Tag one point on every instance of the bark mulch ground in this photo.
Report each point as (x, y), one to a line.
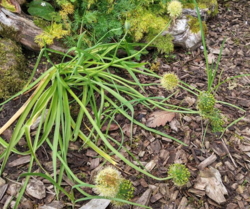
(219, 165)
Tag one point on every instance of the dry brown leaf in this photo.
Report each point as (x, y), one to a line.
(111, 127)
(159, 118)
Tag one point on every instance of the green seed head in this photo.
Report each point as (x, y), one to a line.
(179, 173)
(169, 81)
(126, 192)
(206, 102)
(216, 121)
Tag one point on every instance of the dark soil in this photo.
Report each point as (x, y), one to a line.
(231, 151)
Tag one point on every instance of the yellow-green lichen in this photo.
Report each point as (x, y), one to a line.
(211, 5)
(12, 68)
(194, 24)
(143, 21)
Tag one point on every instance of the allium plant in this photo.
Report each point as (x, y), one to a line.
(109, 183)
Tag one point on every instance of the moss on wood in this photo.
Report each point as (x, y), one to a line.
(12, 68)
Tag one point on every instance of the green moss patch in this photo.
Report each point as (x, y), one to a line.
(12, 68)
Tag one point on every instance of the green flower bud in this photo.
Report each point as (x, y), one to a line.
(206, 102)
(126, 192)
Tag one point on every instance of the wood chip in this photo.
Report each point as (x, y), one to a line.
(36, 189)
(20, 161)
(212, 158)
(209, 180)
(150, 165)
(53, 205)
(96, 203)
(183, 204)
(144, 199)
(156, 197)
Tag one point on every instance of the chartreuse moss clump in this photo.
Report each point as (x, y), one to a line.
(13, 75)
(110, 183)
(179, 174)
(194, 25)
(170, 81)
(51, 32)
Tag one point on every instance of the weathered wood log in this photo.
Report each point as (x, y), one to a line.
(22, 29)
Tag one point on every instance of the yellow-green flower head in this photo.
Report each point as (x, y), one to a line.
(108, 182)
(169, 81)
(174, 9)
(179, 173)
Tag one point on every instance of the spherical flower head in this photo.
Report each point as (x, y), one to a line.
(179, 173)
(174, 9)
(108, 181)
(206, 102)
(126, 192)
(169, 81)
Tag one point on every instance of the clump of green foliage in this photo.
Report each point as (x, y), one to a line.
(104, 21)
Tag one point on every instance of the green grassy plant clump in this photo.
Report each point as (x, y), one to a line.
(86, 79)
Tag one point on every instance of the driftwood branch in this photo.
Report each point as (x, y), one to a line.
(24, 30)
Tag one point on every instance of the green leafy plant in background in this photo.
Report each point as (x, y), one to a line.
(103, 21)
